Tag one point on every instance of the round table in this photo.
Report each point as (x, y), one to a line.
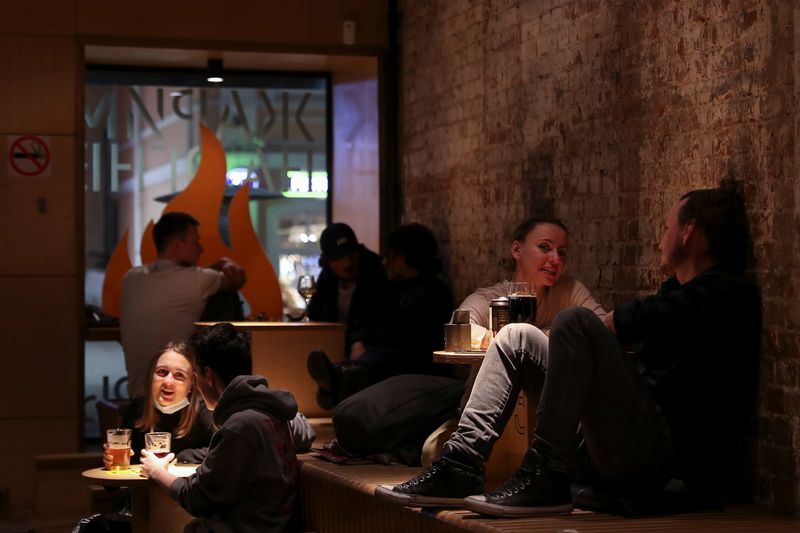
(153, 509)
(470, 357)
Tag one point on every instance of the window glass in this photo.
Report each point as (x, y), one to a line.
(142, 133)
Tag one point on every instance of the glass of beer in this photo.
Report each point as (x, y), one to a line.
(158, 442)
(119, 446)
(521, 302)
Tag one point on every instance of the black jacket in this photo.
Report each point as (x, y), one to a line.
(410, 319)
(370, 283)
(699, 358)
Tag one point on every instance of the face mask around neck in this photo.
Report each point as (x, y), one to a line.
(174, 408)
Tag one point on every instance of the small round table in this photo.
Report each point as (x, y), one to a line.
(470, 357)
(153, 509)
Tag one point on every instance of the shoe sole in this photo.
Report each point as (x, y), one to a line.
(481, 506)
(415, 500)
(319, 368)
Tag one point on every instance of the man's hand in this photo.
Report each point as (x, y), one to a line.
(235, 276)
(156, 467)
(357, 349)
(608, 320)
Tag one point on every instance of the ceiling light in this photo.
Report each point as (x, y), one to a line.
(214, 71)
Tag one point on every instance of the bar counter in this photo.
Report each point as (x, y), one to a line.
(280, 351)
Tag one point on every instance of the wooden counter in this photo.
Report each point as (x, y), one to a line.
(280, 351)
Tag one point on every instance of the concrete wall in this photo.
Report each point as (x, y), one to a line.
(41, 272)
(606, 111)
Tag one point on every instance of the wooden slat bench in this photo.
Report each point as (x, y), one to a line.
(338, 498)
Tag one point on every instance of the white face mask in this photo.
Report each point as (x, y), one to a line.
(174, 408)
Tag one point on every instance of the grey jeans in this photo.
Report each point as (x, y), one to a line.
(581, 378)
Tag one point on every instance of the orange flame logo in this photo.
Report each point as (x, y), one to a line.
(202, 199)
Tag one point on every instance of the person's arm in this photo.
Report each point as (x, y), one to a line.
(581, 297)
(234, 276)
(608, 320)
(302, 433)
(662, 316)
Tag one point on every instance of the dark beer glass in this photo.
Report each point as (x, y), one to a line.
(521, 303)
(522, 308)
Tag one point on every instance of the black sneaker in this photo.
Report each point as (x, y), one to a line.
(444, 484)
(531, 491)
(324, 373)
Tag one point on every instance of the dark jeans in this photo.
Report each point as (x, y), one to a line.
(588, 382)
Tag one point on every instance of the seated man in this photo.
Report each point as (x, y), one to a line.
(403, 329)
(352, 278)
(160, 302)
(248, 480)
(670, 426)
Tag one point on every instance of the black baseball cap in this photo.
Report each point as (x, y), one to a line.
(337, 240)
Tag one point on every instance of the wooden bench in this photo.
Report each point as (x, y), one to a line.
(341, 498)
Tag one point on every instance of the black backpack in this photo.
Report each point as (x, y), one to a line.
(396, 415)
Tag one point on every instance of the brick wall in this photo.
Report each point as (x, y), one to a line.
(606, 111)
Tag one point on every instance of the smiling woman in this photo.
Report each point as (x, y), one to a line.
(172, 404)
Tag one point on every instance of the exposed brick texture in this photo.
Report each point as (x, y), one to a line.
(606, 111)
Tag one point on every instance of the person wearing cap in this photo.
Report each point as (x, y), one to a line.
(403, 329)
(351, 281)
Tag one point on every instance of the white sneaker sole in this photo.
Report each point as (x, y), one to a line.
(415, 500)
(478, 504)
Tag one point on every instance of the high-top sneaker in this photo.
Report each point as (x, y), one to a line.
(532, 490)
(443, 484)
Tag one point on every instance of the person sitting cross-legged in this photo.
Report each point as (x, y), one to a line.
(668, 425)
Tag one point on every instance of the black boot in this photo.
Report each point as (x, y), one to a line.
(532, 490)
(335, 382)
(443, 484)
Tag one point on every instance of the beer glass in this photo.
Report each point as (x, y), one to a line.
(119, 446)
(521, 302)
(158, 442)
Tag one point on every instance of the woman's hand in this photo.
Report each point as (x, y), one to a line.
(108, 459)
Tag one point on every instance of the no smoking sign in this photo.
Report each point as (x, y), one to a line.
(28, 155)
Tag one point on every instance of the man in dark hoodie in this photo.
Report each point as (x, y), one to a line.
(248, 480)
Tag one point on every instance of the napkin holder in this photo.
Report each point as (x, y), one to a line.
(457, 334)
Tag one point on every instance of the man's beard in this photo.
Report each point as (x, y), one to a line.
(674, 259)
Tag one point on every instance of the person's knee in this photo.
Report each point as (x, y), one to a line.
(573, 317)
(524, 337)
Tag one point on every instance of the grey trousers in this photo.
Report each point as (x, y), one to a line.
(582, 379)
